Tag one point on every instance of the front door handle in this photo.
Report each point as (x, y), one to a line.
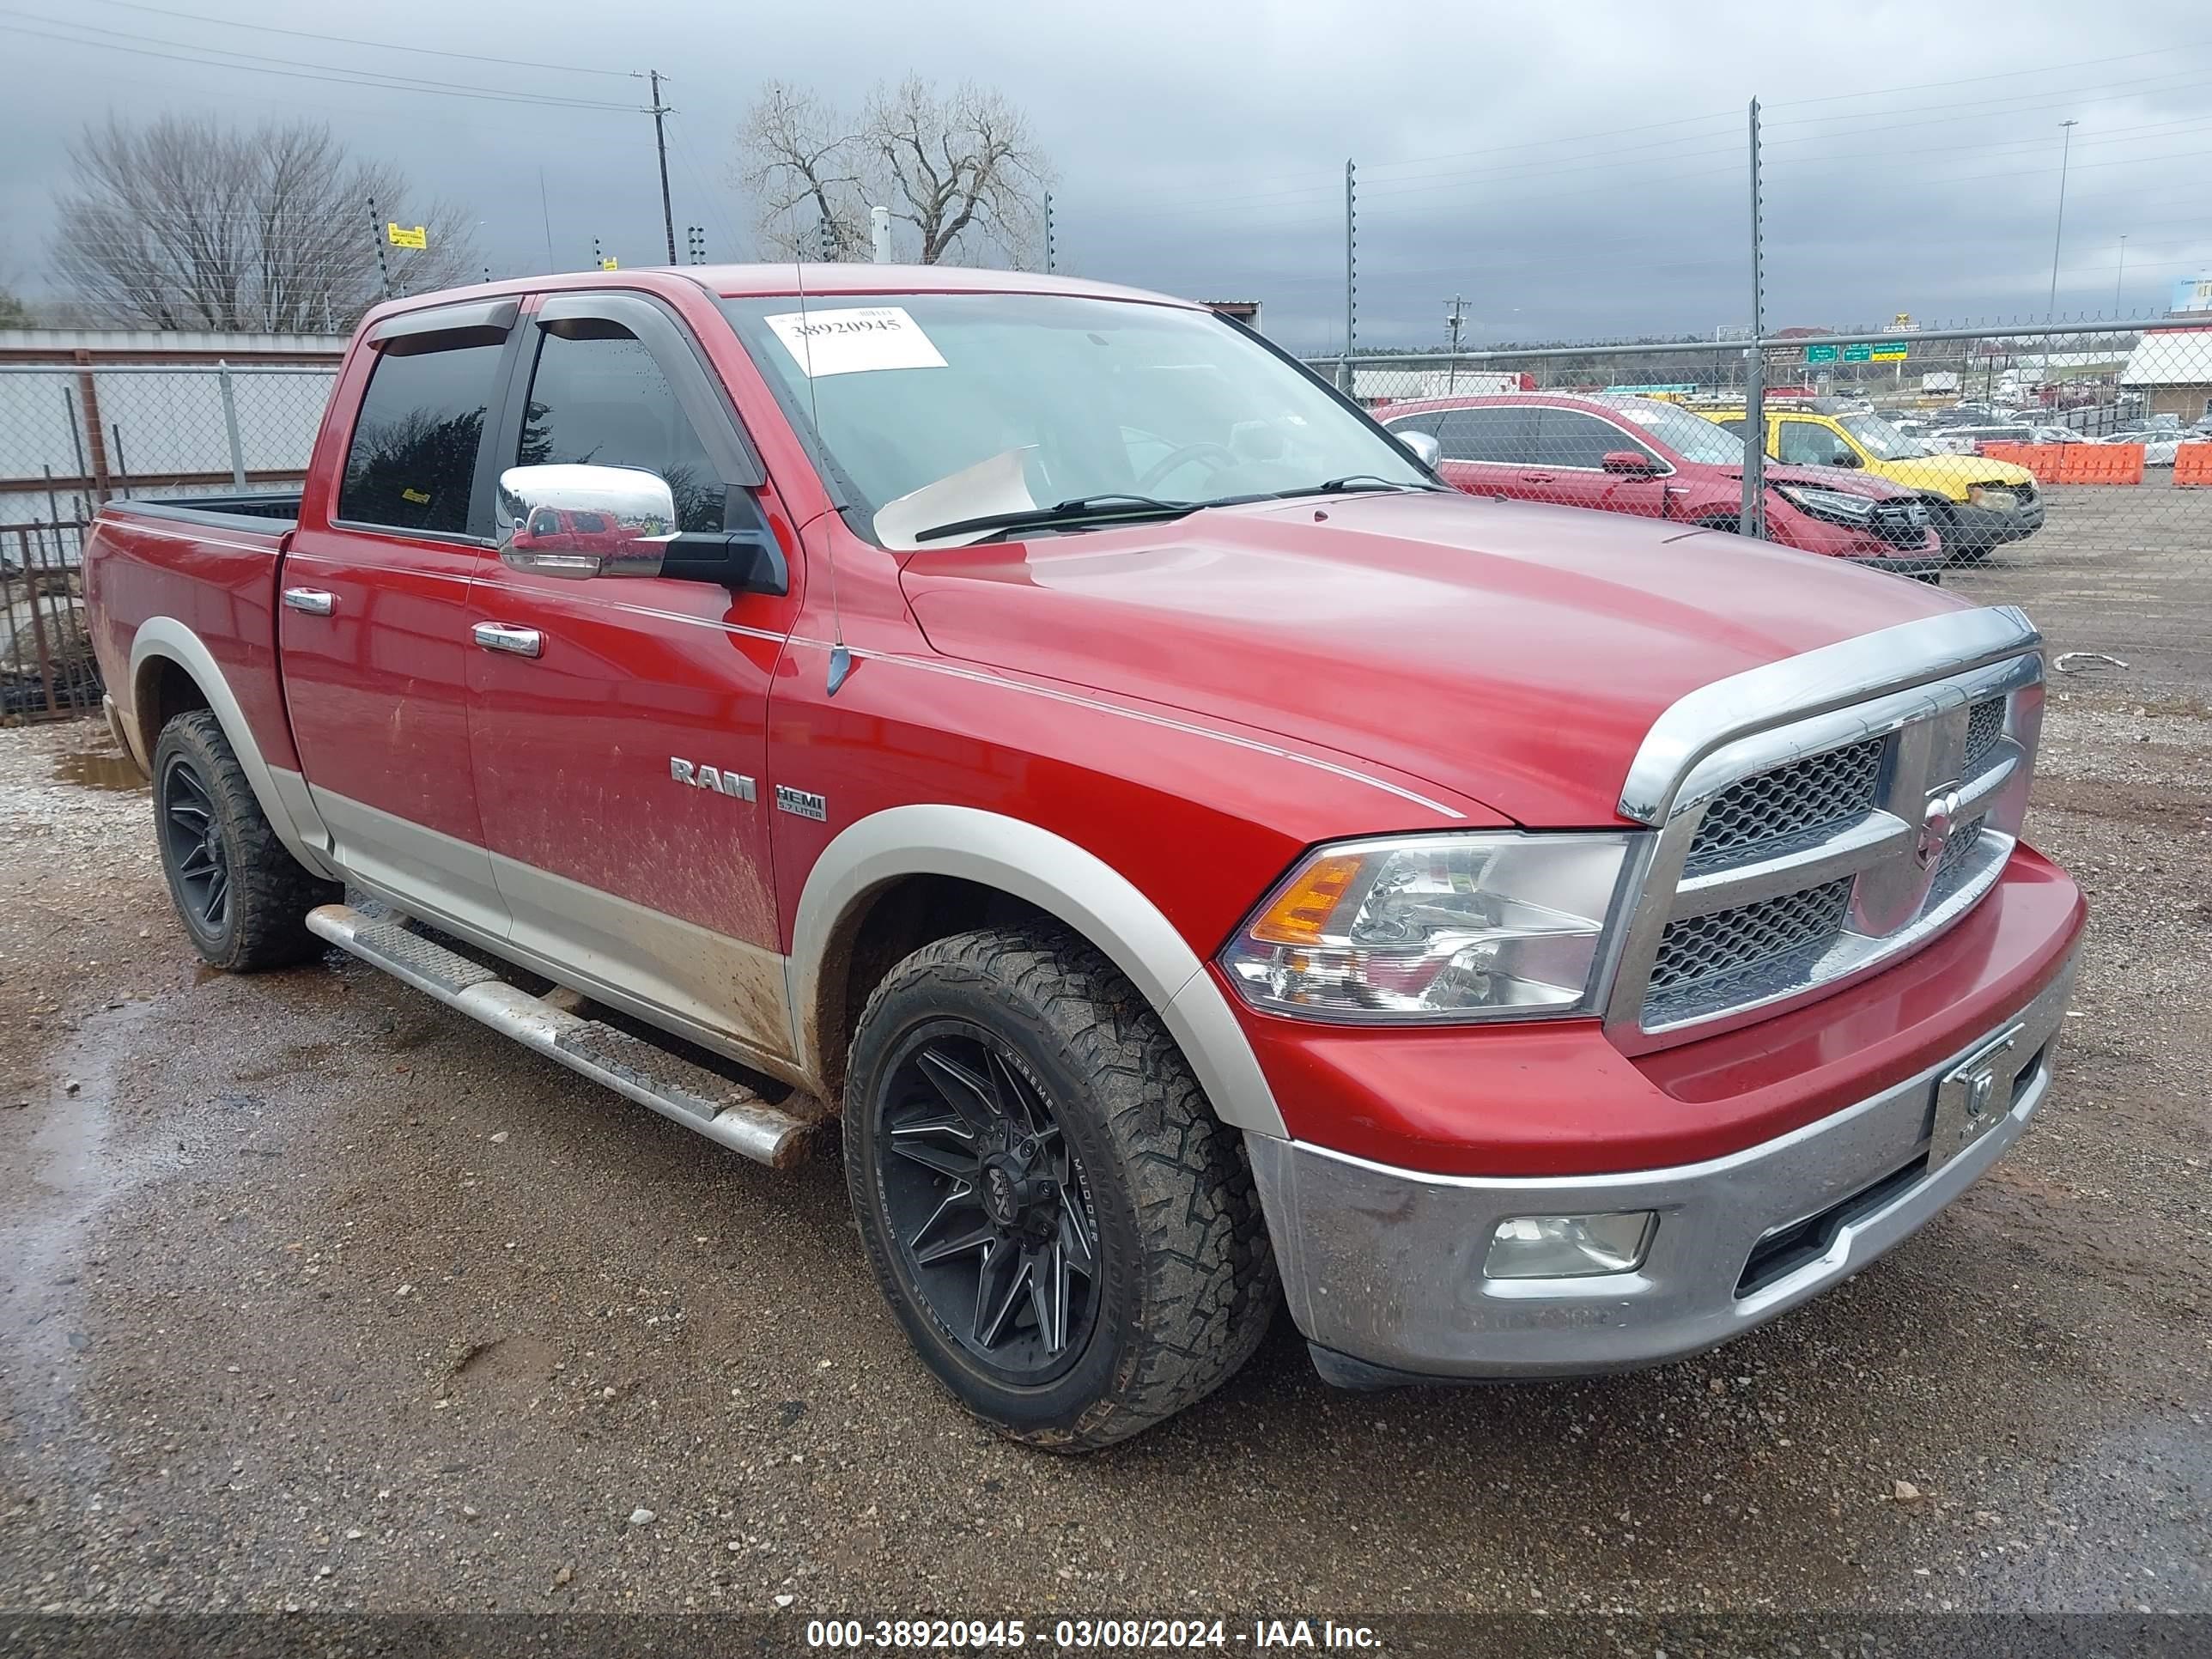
(516, 641)
(311, 600)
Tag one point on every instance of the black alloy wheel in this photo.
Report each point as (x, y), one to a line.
(242, 896)
(986, 1202)
(1069, 1236)
(191, 837)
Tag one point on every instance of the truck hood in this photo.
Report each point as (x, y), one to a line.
(1949, 475)
(1515, 654)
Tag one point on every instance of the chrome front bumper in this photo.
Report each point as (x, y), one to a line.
(1383, 1267)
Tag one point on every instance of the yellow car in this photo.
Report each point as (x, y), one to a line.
(1976, 504)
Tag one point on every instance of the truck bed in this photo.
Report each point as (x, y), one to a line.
(204, 567)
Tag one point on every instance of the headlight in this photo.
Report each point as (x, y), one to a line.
(1998, 498)
(1834, 505)
(1435, 928)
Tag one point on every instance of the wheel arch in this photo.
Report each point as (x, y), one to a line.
(172, 672)
(981, 859)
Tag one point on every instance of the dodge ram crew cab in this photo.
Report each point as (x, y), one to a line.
(1204, 861)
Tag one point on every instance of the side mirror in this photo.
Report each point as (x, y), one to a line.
(1631, 463)
(1421, 446)
(580, 521)
(1847, 458)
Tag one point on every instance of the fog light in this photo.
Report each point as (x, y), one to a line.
(1569, 1246)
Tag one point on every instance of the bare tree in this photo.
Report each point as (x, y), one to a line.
(960, 173)
(184, 223)
(962, 169)
(802, 167)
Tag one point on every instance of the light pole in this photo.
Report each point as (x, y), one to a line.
(2065, 154)
(2120, 282)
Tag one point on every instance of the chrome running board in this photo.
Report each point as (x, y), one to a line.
(675, 1087)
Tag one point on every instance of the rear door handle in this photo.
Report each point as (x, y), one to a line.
(515, 642)
(1537, 477)
(311, 600)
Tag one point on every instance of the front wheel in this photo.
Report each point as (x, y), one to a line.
(1068, 1236)
(1958, 546)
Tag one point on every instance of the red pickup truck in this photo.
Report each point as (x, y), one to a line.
(1202, 859)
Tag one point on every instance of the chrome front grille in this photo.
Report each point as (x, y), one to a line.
(1984, 725)
(1802, 797)
(1810, 851)
(1697, 952)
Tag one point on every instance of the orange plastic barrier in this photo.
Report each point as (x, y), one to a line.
(2041, 459)
(2101, 464)
(2192, 464)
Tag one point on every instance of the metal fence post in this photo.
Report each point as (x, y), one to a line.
(1350, 273)
(1753, 520)
(230, 422)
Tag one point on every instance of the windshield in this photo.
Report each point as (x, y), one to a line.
(1880, 440)
(1692, 437)
(1011, 401)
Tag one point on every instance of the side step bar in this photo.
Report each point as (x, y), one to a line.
(693, 1096)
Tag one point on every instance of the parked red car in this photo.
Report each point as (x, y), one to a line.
(1658, 461)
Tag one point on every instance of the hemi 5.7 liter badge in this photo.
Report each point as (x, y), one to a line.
(788, 799)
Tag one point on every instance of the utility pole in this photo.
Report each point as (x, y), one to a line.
(2120, 282)
(660, 144)
(376, 232)
(2065, 154)
(1454, 313)
(1753, 521)
(1049, 250)
(1351, 270)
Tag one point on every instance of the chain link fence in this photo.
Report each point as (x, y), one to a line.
(75, 435)
(2067, 467)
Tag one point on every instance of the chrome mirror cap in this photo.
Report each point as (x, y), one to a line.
(575, 521)
(1422, 447)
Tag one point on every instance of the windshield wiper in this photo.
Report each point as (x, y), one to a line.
(1353, 481)
(1078, 510)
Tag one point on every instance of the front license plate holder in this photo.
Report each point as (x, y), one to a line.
(1975, 1095)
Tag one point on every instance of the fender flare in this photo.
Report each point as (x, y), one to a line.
(1064, 880)
(282, 794)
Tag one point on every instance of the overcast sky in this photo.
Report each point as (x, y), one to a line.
(1575, 171)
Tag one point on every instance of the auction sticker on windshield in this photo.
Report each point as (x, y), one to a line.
(847, 341)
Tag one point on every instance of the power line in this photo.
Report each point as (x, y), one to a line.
(379, 45)
(307, 72)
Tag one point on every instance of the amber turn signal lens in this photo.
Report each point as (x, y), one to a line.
(1300, 914)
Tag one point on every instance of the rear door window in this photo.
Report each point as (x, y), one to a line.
(412, 463)
(1501, 434)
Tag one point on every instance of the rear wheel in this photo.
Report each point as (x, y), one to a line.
(242, 897)
(1069, 1236)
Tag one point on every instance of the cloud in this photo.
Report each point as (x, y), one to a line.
(1573, 172)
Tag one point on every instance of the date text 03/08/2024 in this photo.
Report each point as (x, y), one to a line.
(1087, 1634)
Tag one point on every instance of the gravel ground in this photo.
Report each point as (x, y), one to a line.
(318, 1296)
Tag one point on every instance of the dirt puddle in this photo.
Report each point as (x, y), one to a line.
(98, 770)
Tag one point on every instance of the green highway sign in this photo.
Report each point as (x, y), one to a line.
(1891, 351)
(1818, 354)
(1857, 354)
